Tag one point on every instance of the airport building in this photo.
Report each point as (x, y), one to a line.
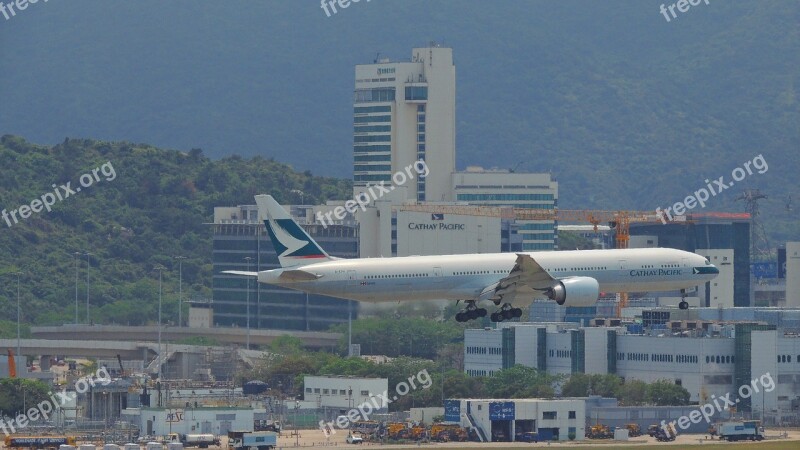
(705, 358)
(240, 242)
(509, 420)
(343, 393)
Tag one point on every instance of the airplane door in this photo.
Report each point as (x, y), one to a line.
(352, 278)
(623, 266)
(437, 272)
(685, 262)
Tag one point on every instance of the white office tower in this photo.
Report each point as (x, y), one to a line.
(405, 112)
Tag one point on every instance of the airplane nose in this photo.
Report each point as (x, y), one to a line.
(714, 270)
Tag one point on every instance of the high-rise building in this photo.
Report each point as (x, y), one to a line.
(405, 112)
(478, 186)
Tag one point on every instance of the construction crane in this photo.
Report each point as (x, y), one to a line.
(12, 365)
(620, 220)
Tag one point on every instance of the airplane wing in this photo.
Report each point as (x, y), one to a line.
(241, 272)
(526, 274)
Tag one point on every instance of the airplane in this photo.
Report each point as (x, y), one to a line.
(509, 280)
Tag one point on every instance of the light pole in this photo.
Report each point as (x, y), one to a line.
(180, 289)
(248, 259)
(160, 269)
(87, 287)
(77, 254)
(296, 433)
(19, 275)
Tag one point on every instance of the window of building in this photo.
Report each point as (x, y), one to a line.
(342, 392)
(308, 390)
(572, 415)
(325, 392)
(316, 390)
(365, 393)
(549, 415)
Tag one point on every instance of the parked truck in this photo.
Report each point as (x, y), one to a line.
(248, 440)
(193, 440)
(740, 430)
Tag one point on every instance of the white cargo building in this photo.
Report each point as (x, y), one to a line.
(507, 420)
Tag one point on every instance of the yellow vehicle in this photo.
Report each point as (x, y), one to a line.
(418, 432)
(447, 432)
(633, 429)
(599, 431)
(397, 430)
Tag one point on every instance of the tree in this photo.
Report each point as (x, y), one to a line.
(633, 393)
(666, 393)
(17, 395)
(521, 382)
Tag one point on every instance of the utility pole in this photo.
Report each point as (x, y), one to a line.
(87, 287)
(77, 254)
(180, 289)
(19, 275)
(160, 269)
(248, 259)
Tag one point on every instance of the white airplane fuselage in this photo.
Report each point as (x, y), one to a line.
(463, 277)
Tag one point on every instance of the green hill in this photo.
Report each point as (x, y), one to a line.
(151, 207)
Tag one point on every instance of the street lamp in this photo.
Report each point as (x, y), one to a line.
(248, 259)
(160, 269)
(77, 254)
(19, 275)
(87, 287)
(180, 289)
(296, 433)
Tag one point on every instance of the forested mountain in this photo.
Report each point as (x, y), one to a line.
(145, 207)
(627, 110)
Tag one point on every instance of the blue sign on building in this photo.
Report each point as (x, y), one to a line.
(764, 270)
(452, 411)
(501, 411)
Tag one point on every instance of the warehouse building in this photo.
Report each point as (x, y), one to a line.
(508, 420)
(708, 360)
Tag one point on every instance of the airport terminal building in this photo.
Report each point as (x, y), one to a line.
(712, 359)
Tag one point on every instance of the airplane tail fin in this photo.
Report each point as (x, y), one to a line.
(293, 245)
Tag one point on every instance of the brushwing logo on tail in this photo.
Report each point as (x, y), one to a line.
(289, 240)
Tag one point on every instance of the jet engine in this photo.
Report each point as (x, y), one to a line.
(575, 291)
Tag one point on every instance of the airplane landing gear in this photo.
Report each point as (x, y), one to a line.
(683, 304)
(506, 312)
(471, 312)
